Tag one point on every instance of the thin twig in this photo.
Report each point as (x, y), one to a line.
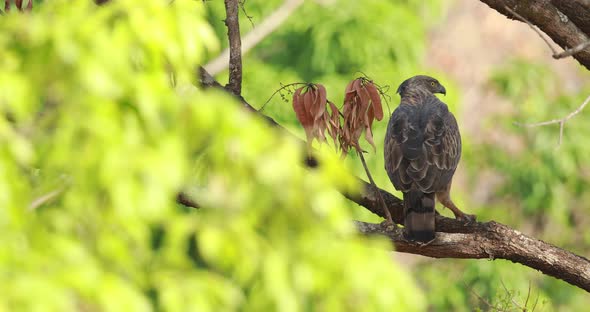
(560, 121)
(283, 87)
(556, 55)
(536, 301)
(235, 46)
(491, 306)
(382, 89)
(528, 295)
(511, 297)
(39, 201)
(572, 51)
(521, 18)
(380, 197)
(242, 6)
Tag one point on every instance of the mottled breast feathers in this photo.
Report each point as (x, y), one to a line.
(422, 145)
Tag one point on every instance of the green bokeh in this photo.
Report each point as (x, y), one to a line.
(101, 127)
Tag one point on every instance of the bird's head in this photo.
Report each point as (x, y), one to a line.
(421, 83)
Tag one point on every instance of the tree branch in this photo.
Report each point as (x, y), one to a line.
(553, 22)
(492, 241)
(235, 46)
(185, 199)
(522, 19)
(456, 239)
(556, 55)
(251, 39)
(578, 11)
(569, 52)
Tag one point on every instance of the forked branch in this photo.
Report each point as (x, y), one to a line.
(560, 121)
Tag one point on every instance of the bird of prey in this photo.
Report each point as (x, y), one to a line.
(422, 150)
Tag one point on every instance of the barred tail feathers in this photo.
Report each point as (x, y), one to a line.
(419, 215)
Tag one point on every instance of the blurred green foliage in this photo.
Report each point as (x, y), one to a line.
(100, 127)
(549, 177)
(544, 180)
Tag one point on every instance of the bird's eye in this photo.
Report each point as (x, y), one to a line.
(432, 83)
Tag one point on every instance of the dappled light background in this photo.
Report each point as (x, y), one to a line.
(497, 72)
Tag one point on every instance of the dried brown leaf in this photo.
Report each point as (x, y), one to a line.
(356, 84)
(375, 99)
(369, 138)
(319, 107)
(335, 115)
(300, 111)
(362, 105)
(321, 100)
(349, 97)
(321, 130)
(365, 103)
(298, 105)
(364, 98)
(334, 128)
(349, 87)
(308, 101)
(313, 101)
(370, 116)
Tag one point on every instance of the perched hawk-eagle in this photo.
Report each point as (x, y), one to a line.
(422, 150)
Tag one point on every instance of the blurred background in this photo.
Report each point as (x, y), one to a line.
(101, 127)
(497, 72)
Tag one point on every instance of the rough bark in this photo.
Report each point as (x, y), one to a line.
(578, 11)
(566, 28)
(235, 46)
(456, 239)
(492, 240)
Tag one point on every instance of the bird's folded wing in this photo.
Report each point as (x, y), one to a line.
(424, 157)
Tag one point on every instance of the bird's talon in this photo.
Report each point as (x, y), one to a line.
(467, 218)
